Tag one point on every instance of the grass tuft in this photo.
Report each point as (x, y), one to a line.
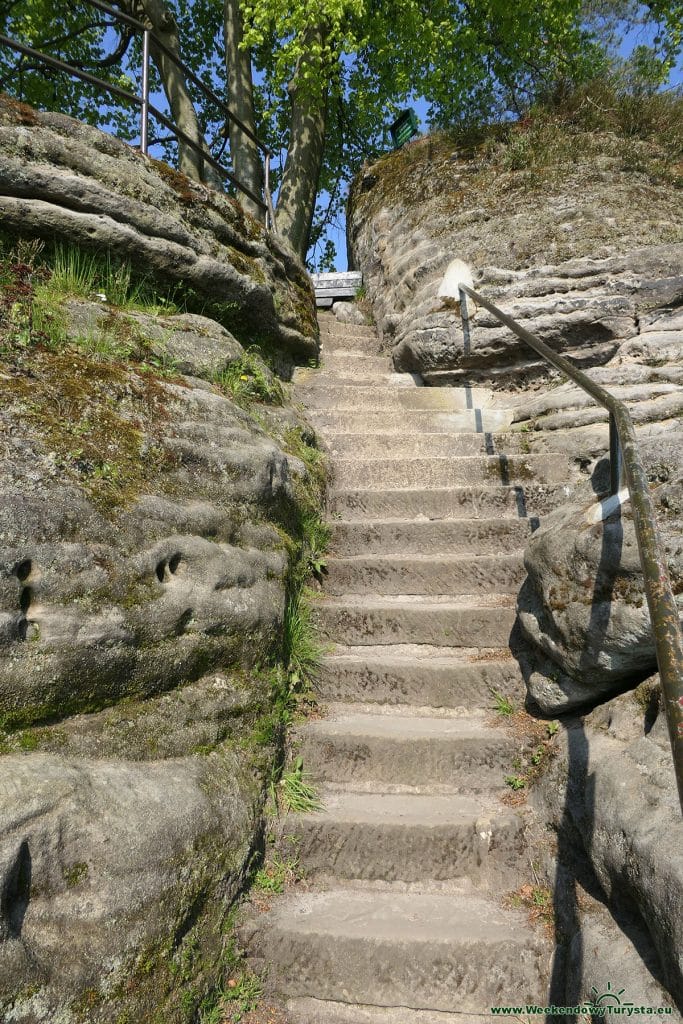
(296, 791)
(503, 705)
(250, 379)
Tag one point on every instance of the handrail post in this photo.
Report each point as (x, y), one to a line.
(144, 109)
(465, 317)
(616, 462)
(266, 185)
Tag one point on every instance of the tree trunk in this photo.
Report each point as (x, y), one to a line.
(299, 187)
(183, 113)
(246, 159)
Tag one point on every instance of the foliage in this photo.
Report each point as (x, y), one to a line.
(276, 873)
(515, 782)
(249, 380)
(503, 705)
(88, 275)
(302, 651)
(296, 791)
(356, 62)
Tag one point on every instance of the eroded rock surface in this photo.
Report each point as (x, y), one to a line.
(583, 603)
(144, 558)
(567, 251)
(63, 179)
(611, 794)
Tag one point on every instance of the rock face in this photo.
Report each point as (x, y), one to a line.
(567, 250)
(611, 802)
(60, 179)
(144, 561)
(583, 603)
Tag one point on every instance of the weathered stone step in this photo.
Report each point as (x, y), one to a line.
(331, 327)
(425, 574)
(395, 445)
(450, 472)
(394, 948)
(429, 536)
(345, 364)
(326, 1011)
(391, 397)
(352, 344)
(339, 379)
(409, 837)
(362, 503)
(422, 747)
(479, 620)
(410, 422)
(420, 674)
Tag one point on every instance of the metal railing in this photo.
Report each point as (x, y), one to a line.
(264, 203)
(626, 467)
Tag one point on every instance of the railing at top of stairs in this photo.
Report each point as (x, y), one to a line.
(264, 203)
(626, 468)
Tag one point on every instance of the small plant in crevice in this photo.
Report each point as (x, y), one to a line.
(503, 705)
(276, 873)
(302, 651)
(239, 992)
(537, 900)
(536, 751)
(249, 379)
(297, 792)
(515, 782)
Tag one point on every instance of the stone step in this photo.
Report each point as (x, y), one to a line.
(450, 472)
(410, 422)
(422, 503)
(426, 950)
(326, 1011)
(479, 620)
(334, 328)
(454, 751)
(409, 837)
(448, 442)
(339, 380)
(349, 344)
(425, 574)
(430, 536)
(390, 396)
(345, 364)
(420, 674)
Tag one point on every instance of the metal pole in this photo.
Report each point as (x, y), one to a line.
(144, 111)
(267, 189)
(616, 466)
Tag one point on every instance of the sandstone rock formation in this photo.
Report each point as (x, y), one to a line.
(60, 179)
(576, 252)
(146, 538)
(583, 603)
(136, 601)
(612, 809)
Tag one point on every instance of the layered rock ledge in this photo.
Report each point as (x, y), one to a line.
(61, 179)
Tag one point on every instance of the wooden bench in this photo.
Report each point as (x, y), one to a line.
(339, 285)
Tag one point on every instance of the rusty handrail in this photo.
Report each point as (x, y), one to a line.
(626, 466)
(146, 108)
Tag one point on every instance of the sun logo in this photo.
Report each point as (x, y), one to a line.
(609, 997)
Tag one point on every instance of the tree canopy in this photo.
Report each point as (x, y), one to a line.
(320, 80)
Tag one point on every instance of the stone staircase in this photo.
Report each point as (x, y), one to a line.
(403, 919)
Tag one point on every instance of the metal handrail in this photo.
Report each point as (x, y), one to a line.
(626, 466)
(146, 108)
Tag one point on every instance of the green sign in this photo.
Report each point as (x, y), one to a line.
(405, 127)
